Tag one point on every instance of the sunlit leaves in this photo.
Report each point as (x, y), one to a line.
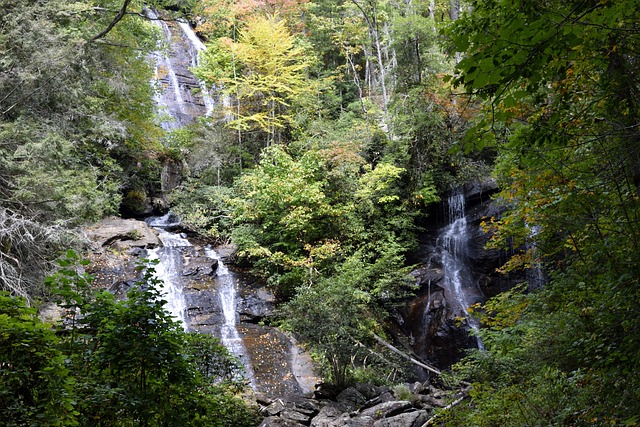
(266, 75)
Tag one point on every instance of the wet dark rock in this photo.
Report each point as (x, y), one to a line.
(480, 191)
(438, 329)
(214, 267)
(256, 304)
(351, 398)
(171, 174)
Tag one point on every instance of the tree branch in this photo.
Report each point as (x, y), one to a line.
(116, 19)
(406, 356)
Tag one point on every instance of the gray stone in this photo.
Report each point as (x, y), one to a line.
(368, 390)
(303, 405)
(327, 415)
(408, 419)
(351, 397)
(424, 402)
(279, 422)
(275, 408)
(345, 420)
(386, 409)
(296, 416)
(124, 234)
(416, 387)
(256, 304)
(435, 401)
(360, 422)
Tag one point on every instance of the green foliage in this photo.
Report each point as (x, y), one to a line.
(205, 209)
(265, 73)
(562, 114)
(35, 386)
(129, 362)
(338, 315)
(75, 112)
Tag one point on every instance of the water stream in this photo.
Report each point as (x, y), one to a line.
(452, 244)
(197, 48)
(180, 97)
(169, 267)
(227, 291)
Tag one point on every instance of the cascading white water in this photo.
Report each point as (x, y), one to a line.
(181, 99)
(229, 335)
(169, 267)
(175, 83)
(453, 247)
(165, 76)
(535, 275)
(199, 47)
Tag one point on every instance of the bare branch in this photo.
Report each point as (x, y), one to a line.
(116, 19)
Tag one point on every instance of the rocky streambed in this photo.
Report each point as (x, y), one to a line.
(362, 405)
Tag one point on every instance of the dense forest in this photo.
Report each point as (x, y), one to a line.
(339, 124)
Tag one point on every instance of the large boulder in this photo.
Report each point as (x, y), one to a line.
(121, 234)
(409, 419)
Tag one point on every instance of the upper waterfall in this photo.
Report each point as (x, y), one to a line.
(180, 96)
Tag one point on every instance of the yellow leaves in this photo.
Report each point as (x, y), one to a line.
(376, 183)
(269, 74)
(521, 261)
(324, 250)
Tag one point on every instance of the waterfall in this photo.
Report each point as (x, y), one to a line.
(175, 83)
(452, 245)
(181, 98)
(169, 267)
(199, 47)
(229, 335)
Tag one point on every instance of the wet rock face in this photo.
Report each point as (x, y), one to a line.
(436, 324)
(436, 335)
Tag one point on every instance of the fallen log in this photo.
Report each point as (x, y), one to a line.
(406, 356)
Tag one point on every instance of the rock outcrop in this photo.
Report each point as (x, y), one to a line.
(121, 235)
